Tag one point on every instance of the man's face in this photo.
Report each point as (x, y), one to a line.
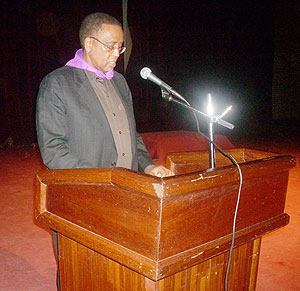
(97, 54)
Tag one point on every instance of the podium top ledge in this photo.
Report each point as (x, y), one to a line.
(191, 169)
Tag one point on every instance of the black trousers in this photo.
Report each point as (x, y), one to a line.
(54, 233)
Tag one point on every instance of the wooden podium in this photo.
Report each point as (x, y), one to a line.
(123, 230)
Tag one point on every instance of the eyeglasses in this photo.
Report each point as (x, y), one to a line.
(110, 48)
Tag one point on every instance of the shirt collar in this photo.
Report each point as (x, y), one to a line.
(79, 62)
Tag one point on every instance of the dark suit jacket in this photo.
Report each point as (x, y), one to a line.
(72, 128)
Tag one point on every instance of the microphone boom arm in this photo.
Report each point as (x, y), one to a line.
(214, 119)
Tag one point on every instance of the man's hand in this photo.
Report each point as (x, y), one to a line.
(159, 171)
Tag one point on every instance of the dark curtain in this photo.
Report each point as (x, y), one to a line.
(222, 47)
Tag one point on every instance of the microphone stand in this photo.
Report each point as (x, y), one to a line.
(210, 118)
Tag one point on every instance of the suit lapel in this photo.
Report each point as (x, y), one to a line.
(89, 98)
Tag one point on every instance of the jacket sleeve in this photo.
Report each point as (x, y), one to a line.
(143, 156)
(51, 125)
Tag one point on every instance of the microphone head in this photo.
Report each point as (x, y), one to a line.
(145, 72)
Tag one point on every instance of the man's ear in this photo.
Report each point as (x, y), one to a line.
(88, 44)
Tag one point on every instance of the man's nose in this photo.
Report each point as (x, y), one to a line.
(116, 52)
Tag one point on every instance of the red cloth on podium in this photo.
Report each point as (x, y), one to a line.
(159, 144)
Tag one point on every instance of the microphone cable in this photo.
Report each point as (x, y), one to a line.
(233, 160)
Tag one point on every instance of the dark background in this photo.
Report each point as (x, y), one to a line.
(197, 47)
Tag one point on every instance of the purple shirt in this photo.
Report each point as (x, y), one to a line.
(79, 62)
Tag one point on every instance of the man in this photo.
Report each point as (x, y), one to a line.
(84, 114)
(84, 109)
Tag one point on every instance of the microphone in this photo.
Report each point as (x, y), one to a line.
(147, 74)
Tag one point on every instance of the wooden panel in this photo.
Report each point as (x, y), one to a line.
(126, 218)
(210, 275)
(202, 216)
(96, 272)
(83, 269)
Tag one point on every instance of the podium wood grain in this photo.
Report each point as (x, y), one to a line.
(97, 272)
(123, 229)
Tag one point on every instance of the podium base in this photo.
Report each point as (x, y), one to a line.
(84, 269)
